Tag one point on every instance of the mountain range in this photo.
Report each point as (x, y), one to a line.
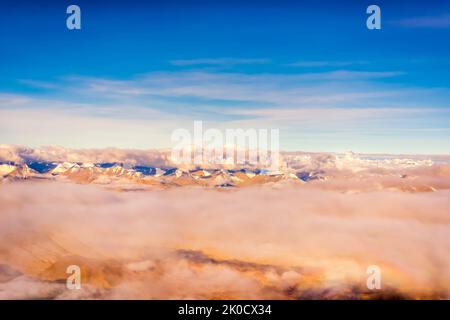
(152, 169)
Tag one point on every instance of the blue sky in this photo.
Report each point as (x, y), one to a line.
(138, 70)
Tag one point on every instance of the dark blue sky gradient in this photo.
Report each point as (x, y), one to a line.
(119, 39)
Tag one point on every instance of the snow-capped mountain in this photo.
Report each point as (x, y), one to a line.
(135, 169)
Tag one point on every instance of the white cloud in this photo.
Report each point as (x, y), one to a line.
(217, 62)
(440, 21)
(326, 63)
(142, 111)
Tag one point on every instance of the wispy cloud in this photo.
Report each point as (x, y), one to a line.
(266, 89)
(325, 63)
(39, 84)
(441, 21)
(336, 114)
(217, 62)
(141, 111)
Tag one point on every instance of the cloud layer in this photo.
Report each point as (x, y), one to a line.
(333, 110)
(291, 243)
